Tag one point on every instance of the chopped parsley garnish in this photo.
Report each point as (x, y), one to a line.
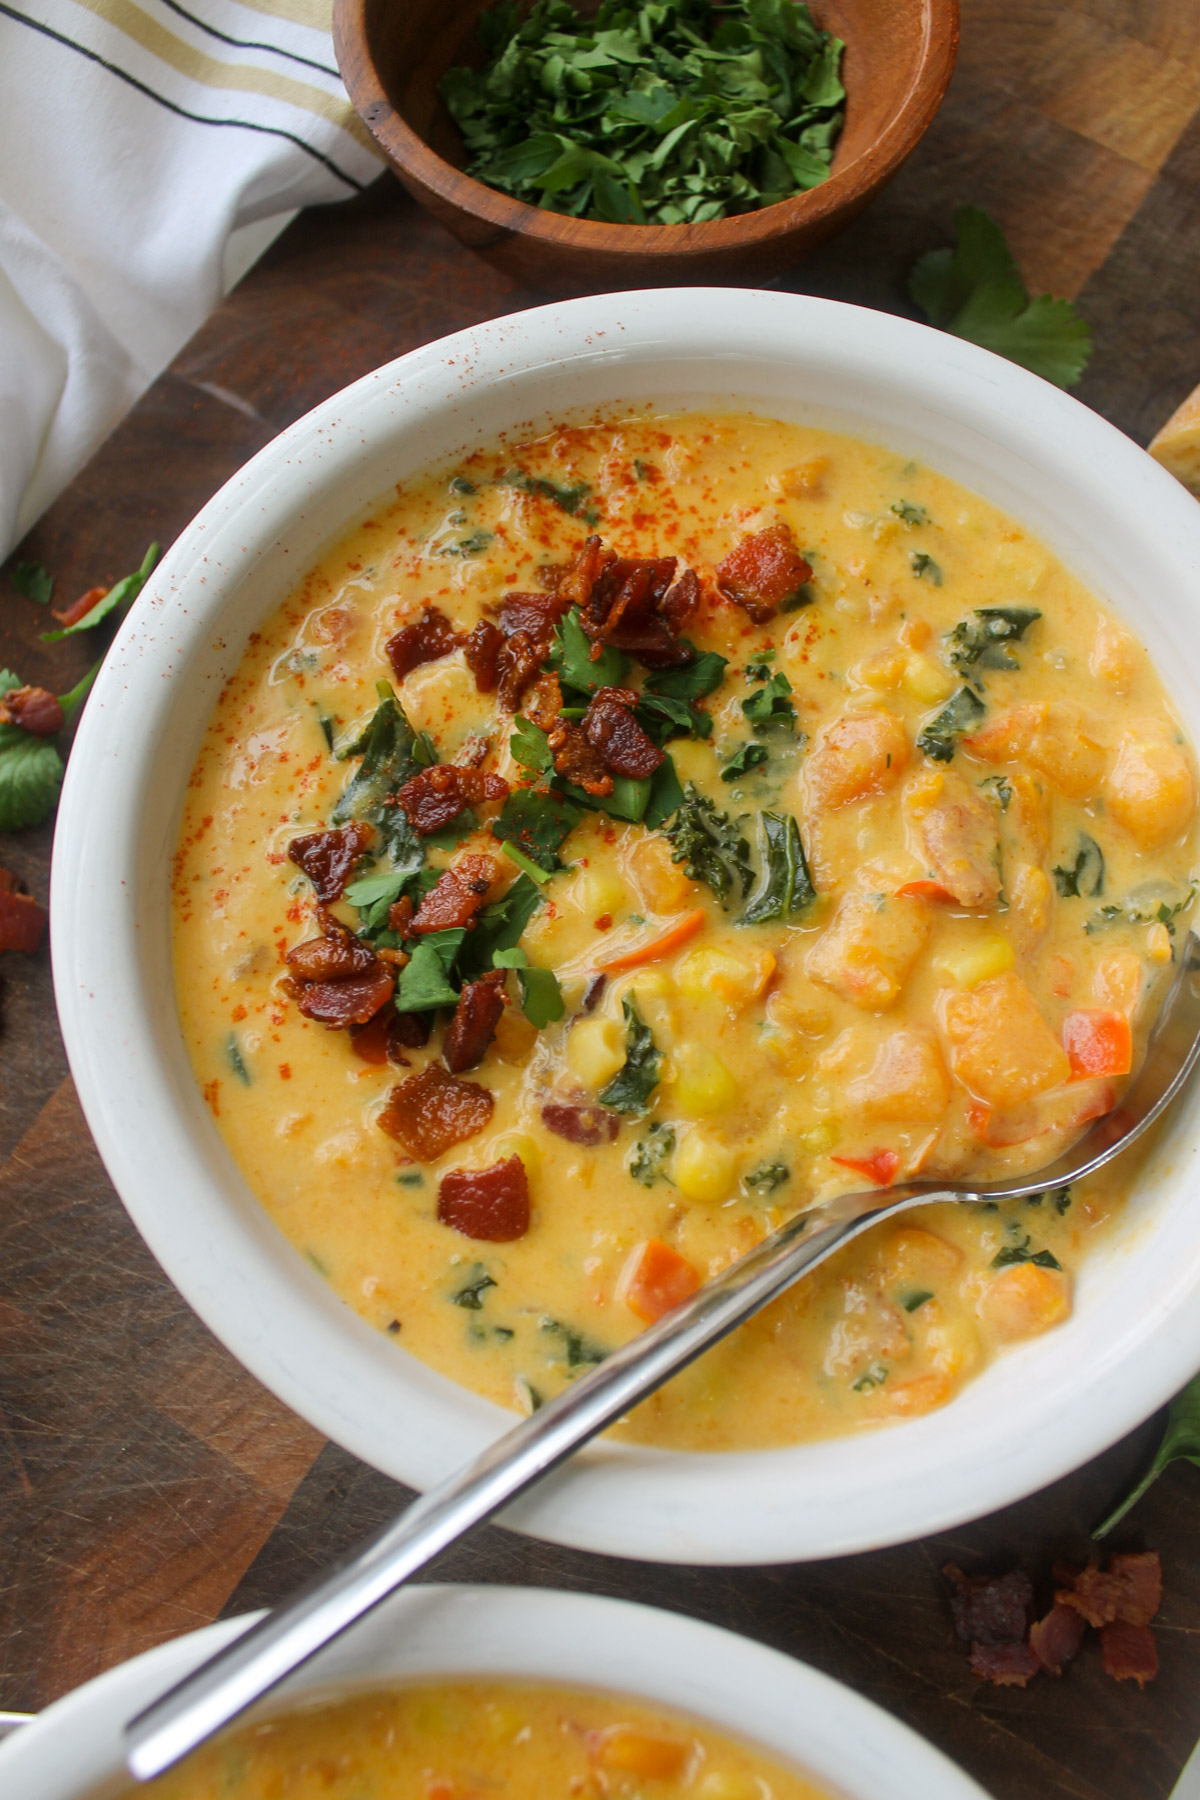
(578, 1349)
(1023, 1253)
(924, 568)
(910, 513)
(1000, 789)
(976, 292)
(961, 713)
(1142, 912)
(982, 640)
(537, 821)
(235, 1059)
(670, 113)
(471, 545)
(767, 1177)
(710, 846)
(1085, 877)
(426, 978)
(571, 658)
(647, 1163)
(663, 717)
(785, 889)
(910, 1302)
(874, 1377)
(391, 755)
(460, 485)
(692, 682)
(630, 1089)
(541, 997)
(750, 756)
(568, 499)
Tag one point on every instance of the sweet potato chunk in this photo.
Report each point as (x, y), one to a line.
(1055, 737)
(868, 950)
(1150, 790)
(490, 1204)
(1023, 1301)
(1001, 1048)
(955, 834)
(906, 1080)
(859, 753)
(764, 571)
(432, 1111)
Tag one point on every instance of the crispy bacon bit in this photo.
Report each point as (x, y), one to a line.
(427, 639)
(578, 761)
(543, 703)
(588, 1125)
(629, 606)
(612, 730)
(400, 915)
(763, 571)
(1129, 1652)
(535, 614)
(473, 1026)
(434, 1110)
(79, 609)
(1130, 1590)
(481, 650)
(491, 1204)
(519, 660)
(333, 957)
(991, 1609)
(579, 578)
(22, 920)
(596, 985)
(460, 892)
(1005, 1665)
(328, 857)
(349, 1002)
(370, 1041)
(1055, 1639)
(436, 796)
(35, 709)
(681, 602)
(408, 1031)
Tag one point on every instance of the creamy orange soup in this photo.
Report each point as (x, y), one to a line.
(664, 900)
(465, 1740)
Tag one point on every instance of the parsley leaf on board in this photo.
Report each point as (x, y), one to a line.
(1180, 1440)
(785, 888)
(982, 641)
(669, 113)
(31, 774)
(120, 596)
(976, 292)
(961, 713)
(630, 1089)
(36, 583)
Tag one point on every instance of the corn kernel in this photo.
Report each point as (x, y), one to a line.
(925, 681)
(595, 1051)
(518, 1143)
(1158, 944)
(709, 974)
(818, 1139)
(702, 1082)
(704, 1168)
(969, 964)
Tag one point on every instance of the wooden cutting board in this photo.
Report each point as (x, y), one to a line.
(146, 1483)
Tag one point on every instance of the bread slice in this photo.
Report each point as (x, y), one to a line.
(1177, 446)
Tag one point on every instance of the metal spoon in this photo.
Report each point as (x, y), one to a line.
(230, 1681)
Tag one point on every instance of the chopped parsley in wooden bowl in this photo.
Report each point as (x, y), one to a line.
(631, 144)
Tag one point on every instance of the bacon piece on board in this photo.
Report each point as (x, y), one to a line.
(431, 1112)
(1130, 1590)
(1129, 1652)
(1055, 1639)
(436, 796)
(491, 1204)
(22, 920)
(473, 1025)
(764, 571)
(349, 1002)
(612, 730)
(34, 709)
(328, 857)
(991, 1609)
(587, 1125)
(1004, 1665)
(426, 640)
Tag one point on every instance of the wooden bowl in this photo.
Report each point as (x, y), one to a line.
(392, 53)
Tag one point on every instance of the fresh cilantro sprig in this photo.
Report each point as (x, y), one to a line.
(976, 292)
(668, 113)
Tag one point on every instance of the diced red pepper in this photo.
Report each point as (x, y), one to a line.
(928, 890)
(880, 1166)
(655, 1280)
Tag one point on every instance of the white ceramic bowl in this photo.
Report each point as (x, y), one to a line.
(73, 1750)
(1106, 508)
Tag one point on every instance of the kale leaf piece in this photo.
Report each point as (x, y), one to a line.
(961, 713)
(1086, 875)
(710, 846)
(785, 887)
(647, 1163)
(391, 754)
(976, 292)
(981, 642)
(630, 1089)
(771, 707)
(750, 756)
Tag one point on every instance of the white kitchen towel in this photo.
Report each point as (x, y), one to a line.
(149, 152)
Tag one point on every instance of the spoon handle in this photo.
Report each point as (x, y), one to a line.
(232, 1680)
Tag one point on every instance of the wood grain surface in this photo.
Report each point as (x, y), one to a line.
(147, 1484)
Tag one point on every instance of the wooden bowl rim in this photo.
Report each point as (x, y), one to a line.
(856, 182)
